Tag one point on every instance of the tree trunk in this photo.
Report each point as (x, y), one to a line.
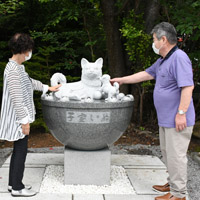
(151, 14)
(116, 59)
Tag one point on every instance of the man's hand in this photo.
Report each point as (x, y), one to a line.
(132, 79)
(54, 88)
(118, 80)
(181, 122)
(26, 129)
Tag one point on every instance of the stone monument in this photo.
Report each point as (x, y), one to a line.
(87, 116)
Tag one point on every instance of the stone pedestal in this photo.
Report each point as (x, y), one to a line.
(87, 167)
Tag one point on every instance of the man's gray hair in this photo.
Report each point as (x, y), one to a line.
(165, 29)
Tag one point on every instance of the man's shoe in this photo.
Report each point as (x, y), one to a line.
(28, 187)
(162, 188)
(169, 196)
(23, 193)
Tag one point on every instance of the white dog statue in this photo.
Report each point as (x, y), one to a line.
(108, 91)
(92, 86)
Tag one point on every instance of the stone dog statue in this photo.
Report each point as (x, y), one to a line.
(88, 88)
(108, 91)
(92, 86)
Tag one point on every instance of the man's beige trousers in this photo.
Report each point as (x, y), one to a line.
(174, 146)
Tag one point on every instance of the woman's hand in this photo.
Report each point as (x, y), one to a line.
(26, 129)
(54, 88)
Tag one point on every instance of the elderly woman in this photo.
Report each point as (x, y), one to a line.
(18, 111)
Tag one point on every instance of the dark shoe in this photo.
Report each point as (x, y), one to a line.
(169, 196)
(162, 188)
(23, 193)
(28, 187)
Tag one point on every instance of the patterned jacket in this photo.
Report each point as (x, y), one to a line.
(17, 101)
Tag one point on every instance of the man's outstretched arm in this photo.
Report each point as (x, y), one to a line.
(135, 78)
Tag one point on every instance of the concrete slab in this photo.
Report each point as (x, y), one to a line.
(88, 197)
(144, 167)
(32, 176)
(143, 179)
(128, 161)
(130, 197)
(136, 160)
(40, 196)
(6, 165)
(42, 159)
(3, 179)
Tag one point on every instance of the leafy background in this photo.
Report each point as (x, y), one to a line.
(65, 31)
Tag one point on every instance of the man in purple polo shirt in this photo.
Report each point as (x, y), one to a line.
(174, 105)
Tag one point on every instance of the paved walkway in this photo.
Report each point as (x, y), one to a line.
(142, 171)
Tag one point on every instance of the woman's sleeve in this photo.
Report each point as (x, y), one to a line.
(16, 95)
(37, 85)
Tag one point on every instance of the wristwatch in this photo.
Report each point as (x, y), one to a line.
(181, 112)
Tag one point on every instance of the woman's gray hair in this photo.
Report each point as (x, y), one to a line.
(165, 29)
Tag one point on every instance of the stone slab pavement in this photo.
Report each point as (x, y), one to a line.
(143, 171)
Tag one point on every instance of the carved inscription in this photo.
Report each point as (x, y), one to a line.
(88, 117)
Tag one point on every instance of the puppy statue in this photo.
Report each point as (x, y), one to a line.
(108, 91)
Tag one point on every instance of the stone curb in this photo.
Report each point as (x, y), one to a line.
(196, 157)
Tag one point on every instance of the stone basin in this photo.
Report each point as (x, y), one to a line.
(87, 126)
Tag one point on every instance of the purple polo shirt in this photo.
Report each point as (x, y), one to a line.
(171, 74)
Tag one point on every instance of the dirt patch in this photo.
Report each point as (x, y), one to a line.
(138, 135)
(36, 140)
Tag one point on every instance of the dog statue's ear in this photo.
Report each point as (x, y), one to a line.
(84, 62)
(99, 62)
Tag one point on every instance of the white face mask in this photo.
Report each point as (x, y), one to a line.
(29, 56)
(155, 49)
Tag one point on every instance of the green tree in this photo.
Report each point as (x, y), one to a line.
(64, 31)
(138, 45)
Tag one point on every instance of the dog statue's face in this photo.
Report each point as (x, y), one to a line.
(91, 70)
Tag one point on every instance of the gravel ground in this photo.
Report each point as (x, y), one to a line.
(53, 182)
(193, 166)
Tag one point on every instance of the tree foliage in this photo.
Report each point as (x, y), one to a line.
(64, 31)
